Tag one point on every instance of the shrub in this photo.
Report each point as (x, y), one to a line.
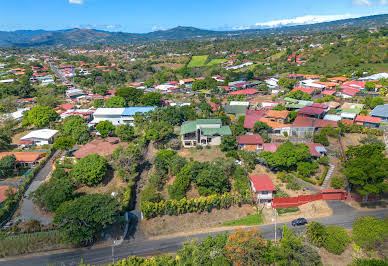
(337, 182)
(337, 239)
(90, 170)
(181, 183)
(176, 207)
(287, 210)
(149, 194)
(322, 139)
(369, 232)
(368, 262)
(320, 181)
(323, 160)
(240, 178)
(157, 181)
(316, 233)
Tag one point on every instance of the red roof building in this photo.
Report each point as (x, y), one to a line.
(301, 121)
(271, 147)
(3, 193)
(252, 116)
(367, 120)
(250, 142)
(263, 186)
(244, 92)
(312, 111)
(305, 90)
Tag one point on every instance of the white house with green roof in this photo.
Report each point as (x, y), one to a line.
(203, 132)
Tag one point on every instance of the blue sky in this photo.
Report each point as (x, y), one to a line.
(148, 15)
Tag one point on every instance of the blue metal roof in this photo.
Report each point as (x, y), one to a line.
(380, 111)
(131, 111)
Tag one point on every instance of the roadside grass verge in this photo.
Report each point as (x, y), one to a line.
(198, 61)
(30, 243)
(249, 220)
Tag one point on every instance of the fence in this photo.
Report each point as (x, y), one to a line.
(329, 194)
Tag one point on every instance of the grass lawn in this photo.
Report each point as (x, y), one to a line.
(216, 62)
(198, 61)
(249, 220)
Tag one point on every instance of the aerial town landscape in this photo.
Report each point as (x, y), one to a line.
(262, 145)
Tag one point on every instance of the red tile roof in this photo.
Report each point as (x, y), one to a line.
(271, 147)
(328, 92)
(305, 90)
(350, 91)
(301, 121)
(250, 139)
(262, 182)
(368, 119)
(252, 116)
(21, 157)
(312, 148)
(311, 110)
(244, 92)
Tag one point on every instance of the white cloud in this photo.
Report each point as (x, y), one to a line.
(362, 2)
(384, 2)
(156, 28)
(303, 20)
(78, 2)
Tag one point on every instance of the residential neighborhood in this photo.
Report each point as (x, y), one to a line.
(262, 145)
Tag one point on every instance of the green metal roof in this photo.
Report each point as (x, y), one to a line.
(223, 131)
(351, 110)
(191, 126)
(291, 100)
(235, 109)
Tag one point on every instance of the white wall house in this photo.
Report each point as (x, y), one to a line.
(118, 116)
(40, 137)
(263, 188)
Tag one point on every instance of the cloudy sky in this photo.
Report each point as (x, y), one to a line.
(148, 15)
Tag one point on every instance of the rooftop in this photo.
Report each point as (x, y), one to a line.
(250, 139)
(262, 182)
(40, 134)
(131, 111)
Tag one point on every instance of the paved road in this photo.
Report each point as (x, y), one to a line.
(345, 217)
(28, 210)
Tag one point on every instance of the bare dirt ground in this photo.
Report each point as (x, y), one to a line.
(167, 225)
(354, 139)
(108, 185)
(313, 209)
(345, 258)
(170, 65)
(261, 98)
(205, 155)
(377, 205)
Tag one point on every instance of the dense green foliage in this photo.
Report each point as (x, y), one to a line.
(75, 128)
(54, 192)
(90, 170)
(370, 232)
(125, 132)
(7, 166)
(40, 116)
(105, 128)
(82, 219)
(64, 143)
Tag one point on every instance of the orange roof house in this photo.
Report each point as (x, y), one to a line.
(277, 116)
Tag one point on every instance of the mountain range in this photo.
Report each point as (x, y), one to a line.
(80, 37)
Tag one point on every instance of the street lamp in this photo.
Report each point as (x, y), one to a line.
(113, 251)
(275, 219)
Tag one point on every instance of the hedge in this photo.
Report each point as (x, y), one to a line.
(308, 180)
(320, 181)
(9, 206)
(177, 207)
(287, 210)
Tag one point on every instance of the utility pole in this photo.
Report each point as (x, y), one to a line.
(276, 214)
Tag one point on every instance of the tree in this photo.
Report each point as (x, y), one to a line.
(159, 131)
(370, 85)
(372, 102)
(321, 138)
(105, 128)
(212, 180)
(151, 99)
(40, 116)
(75, 127)
(292, 116)
(131, 95)
(248, 248)
(261, 127)
(299, 95)
(98, 103)
(337, 182)
(287, 156)
(198, 85)
(7, 166)
(83, 219)
(115, 101)
(370, 232)
(90, 170)
(51, 194)
(316, 234)
(5, 139)
(367, 169)
(292, 251)
(125, 132)
(64, 143)
(228, 143)
(47, 100)
(287, 83)
(100, 89)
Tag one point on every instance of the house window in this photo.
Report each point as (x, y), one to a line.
(264, 192)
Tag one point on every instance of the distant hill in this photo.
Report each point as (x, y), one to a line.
(31, 38)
